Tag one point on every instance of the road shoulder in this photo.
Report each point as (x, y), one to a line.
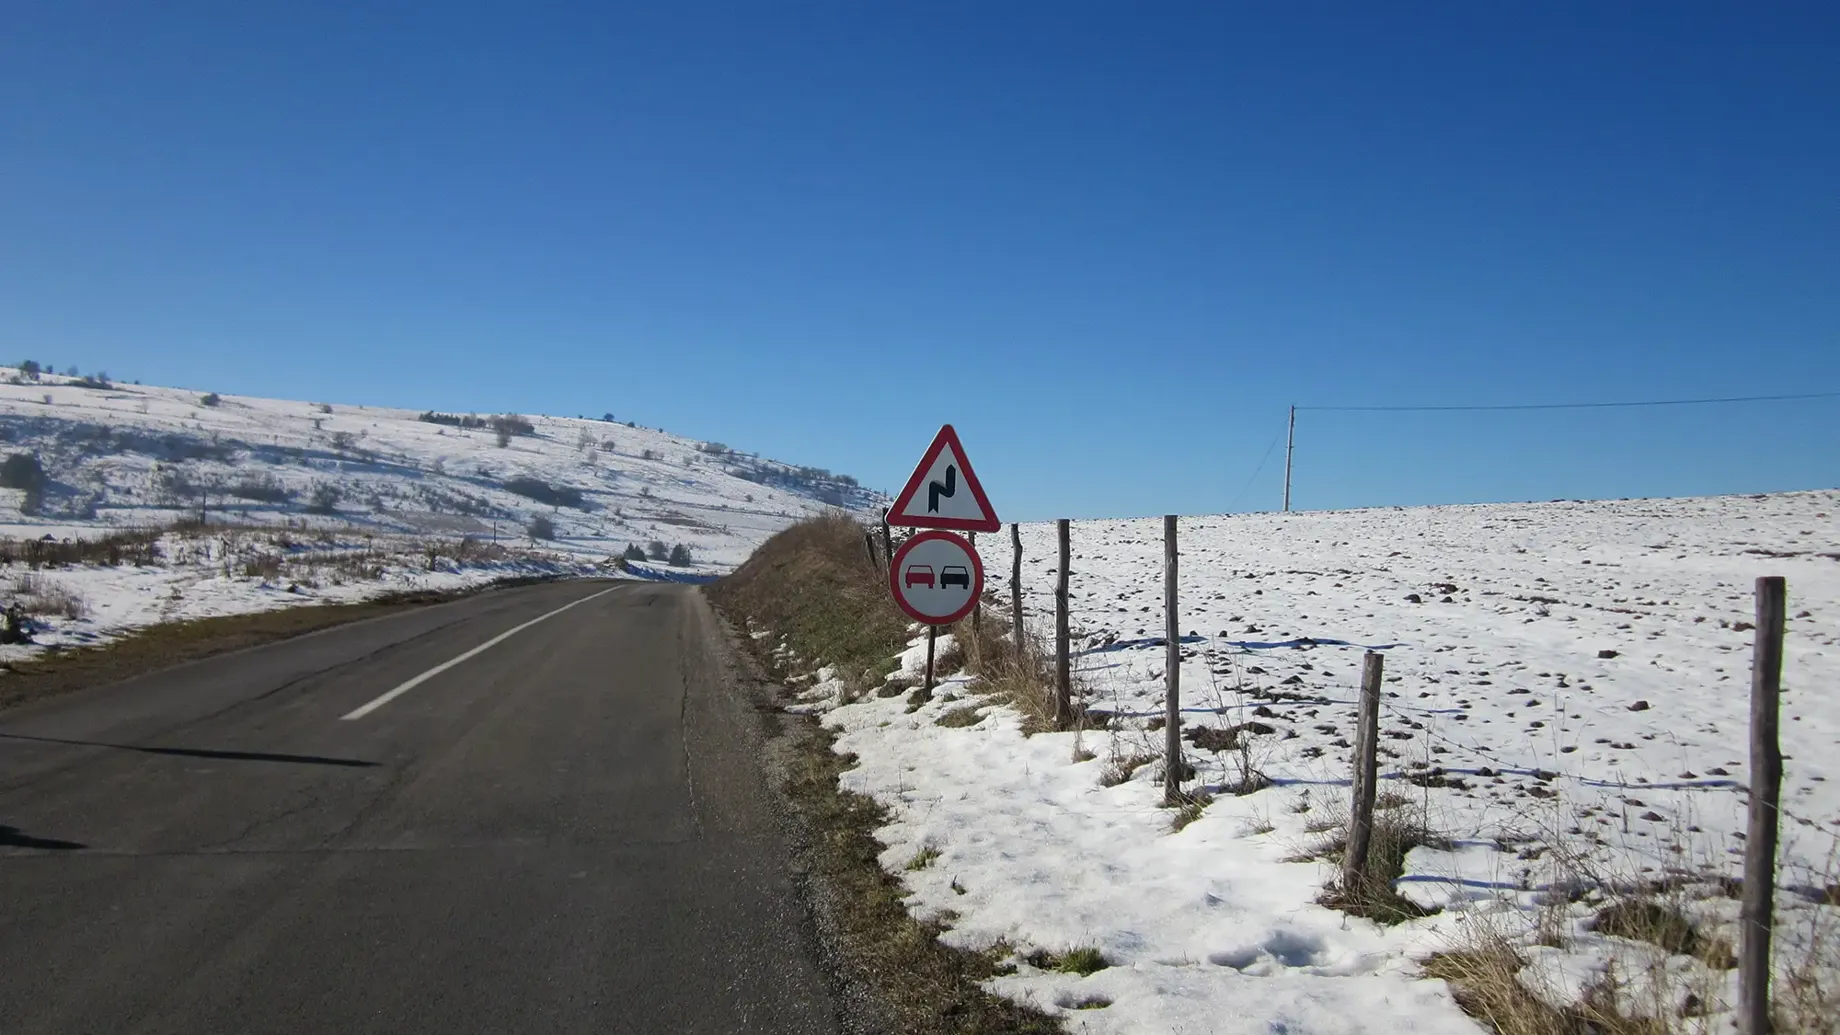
(889, 971)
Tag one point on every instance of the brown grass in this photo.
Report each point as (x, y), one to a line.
(1396, 831)
(1663, 925)
(1484, 979)
(960, 717)
(1190, 809)
(137, 547)
(814, 585)
(1021, 679)
(1121, 768)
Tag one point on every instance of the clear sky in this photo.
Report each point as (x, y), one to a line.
(1111, 242)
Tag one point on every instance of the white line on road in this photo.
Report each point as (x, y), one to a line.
(363, 710)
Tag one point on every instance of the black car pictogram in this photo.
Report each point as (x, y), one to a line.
(954, 574)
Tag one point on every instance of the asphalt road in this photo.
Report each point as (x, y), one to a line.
(565, 832)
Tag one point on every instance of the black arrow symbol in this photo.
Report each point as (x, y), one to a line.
(934, 490)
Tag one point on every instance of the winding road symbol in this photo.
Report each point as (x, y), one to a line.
(943, 492)
(934, 490)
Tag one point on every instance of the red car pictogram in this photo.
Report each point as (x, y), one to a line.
(919, 574)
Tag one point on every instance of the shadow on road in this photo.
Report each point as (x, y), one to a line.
(13, 837)
(239, 756)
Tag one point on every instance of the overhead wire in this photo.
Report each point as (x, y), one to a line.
(1578, 405)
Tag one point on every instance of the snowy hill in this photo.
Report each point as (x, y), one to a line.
(1565, 712)
(162, 505)
(121, 456)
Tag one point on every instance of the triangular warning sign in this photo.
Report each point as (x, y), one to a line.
(943, 492)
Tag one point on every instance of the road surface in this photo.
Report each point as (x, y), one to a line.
(381, 828)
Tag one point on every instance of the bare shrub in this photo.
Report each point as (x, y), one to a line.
(325, 499)
(544, 492)
(261, 489)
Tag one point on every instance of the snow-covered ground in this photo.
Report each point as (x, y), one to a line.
(310, 502)
(1566, 702)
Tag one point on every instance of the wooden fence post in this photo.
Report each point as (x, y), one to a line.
(1015, 589)
(887, 539)
(1757, 912)
(1366, 775)
(977, 611)
(1172, 671)
(1063, 677)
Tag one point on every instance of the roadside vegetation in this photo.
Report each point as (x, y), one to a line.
(812, 596)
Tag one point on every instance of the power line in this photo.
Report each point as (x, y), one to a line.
(1255, 472)
(1582, 405)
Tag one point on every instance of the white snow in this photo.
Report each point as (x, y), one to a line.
(1542, 762)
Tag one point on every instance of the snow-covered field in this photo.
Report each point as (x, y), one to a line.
(318, 502)
(1566, 701)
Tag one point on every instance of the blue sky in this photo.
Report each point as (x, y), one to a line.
(1109, 242)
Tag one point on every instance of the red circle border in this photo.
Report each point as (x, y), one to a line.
(977, 581)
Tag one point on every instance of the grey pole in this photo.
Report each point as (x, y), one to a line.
(1290, 443)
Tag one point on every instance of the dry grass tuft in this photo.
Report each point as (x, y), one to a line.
(1396, 832)
(1024, 680)
(40, 596)
(1084, 961)
(1664, 926)
(1121, 768)
(962, 716)
(1485, 980)
(1190, 809)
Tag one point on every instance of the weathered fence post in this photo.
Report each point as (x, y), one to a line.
(1366, 775)
(887, 539)
(1757, 912)
(977, 612)
(1172, 671)
(869, 544)
(1063, 677)
(1015, 590)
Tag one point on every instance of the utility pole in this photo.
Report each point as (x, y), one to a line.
(1290, 443)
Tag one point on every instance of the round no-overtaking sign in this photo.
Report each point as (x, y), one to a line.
(936, 578)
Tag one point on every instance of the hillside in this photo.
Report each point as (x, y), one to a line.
(128, 506)
(132, 456)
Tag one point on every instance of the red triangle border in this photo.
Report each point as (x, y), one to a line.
(947, 436)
